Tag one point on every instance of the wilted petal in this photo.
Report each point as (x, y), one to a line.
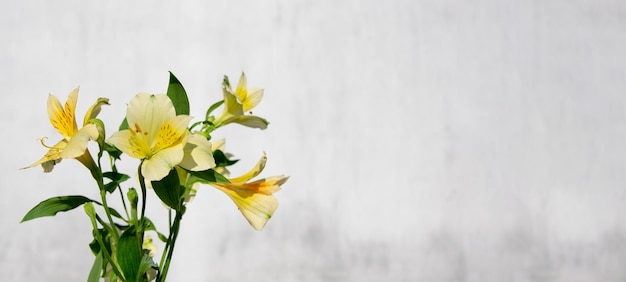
(198, 155)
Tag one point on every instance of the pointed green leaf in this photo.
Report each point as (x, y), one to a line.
(147, 225)
(221, 159)
(146, 264)
(116, 178)
(96, 269)
(213, 107)
(129, 254)
(52, 206)
(210, 176)
(169, 190)
(177, 94)
(123, 125)
(112, 151)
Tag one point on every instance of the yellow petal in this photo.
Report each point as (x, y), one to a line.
(170, 133)
(218, 144)
(256, 170)
(62, 119)
(249, 121)
(94, 110)
(52, 157)
(232, 105)
(130, 143)
(78, 143)
(242, 88)
(266, 186)
(255, 207)
(254, 199)
(198, 155)
(160, 164)
(146, 114)
(254, 98)
(149, 246)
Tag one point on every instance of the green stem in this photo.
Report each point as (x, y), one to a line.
(119, 188)
(106, 210)
(103, 248)
(142, 184)
(171, 242)
(96, 173)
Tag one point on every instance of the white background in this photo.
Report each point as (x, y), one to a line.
(425, 140)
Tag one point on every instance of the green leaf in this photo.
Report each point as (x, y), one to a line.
(146, 264)
(213, 107)
(116, 178)
(129, 254)
(210, 176)
(96, 269)
(52, 206)
(112, 151)
(147, 225)
(221, 159)
(116, 214)
(169, 190)
(123, 125)
(177, 94)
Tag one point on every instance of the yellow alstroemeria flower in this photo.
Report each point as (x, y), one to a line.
(254, 199)
(74, 142)
(240, 101)
(160, 138)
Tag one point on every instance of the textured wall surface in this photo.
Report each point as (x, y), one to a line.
(425, 140)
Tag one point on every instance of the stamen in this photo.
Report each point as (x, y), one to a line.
(42, 139)
(138, 129)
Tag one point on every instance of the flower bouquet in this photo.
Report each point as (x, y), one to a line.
(175, 157)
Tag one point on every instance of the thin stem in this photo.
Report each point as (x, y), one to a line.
(99, 179)
(142, 184)
(108, 213)
(123, 201)
(103, 249)
(169, 237)
(96, 173)
(119, 188)
(172, 239)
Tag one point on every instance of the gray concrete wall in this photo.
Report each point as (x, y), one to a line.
(425, 140)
